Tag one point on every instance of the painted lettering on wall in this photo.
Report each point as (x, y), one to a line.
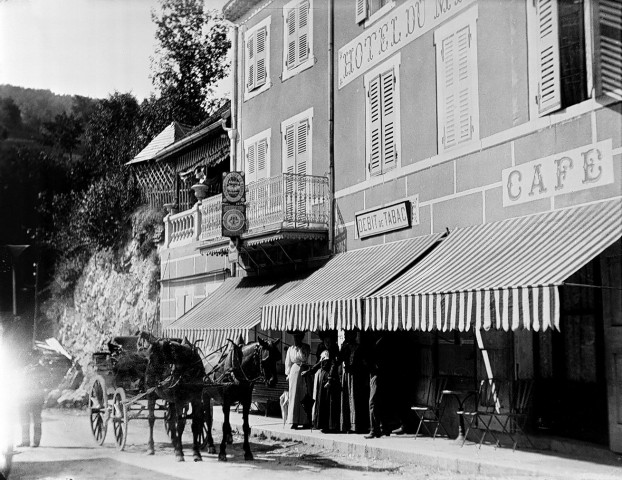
(396, 29)
(384, 219)
(571, 171)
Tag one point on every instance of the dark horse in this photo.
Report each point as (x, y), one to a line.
(233, 380)
(175, 373)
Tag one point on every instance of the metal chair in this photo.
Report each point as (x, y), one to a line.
(431, 411)
(488, 403)
(513, 422)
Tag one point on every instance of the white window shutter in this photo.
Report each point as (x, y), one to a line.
(549, 91)
(448, 83)
(361, 10)
(389, 121)
(303, 31)
(260, 57)
(375, 127)
(250, 62)
(251, 164)
(292, 37)
(289, 159)
(610, 48)
(302, 148)
(463, 75)
(262, 159)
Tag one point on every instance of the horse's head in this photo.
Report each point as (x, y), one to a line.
(269, 355)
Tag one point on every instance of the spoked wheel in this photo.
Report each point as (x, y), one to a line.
(170, 419)
(119, 418)
(98, 409)
(203, 436)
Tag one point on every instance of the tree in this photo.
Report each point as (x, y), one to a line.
(63, 133)
(190, 57)
(10, 115)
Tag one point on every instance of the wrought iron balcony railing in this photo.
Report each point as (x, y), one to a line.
(288, 201)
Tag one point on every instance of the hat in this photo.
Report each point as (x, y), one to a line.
(324, 355)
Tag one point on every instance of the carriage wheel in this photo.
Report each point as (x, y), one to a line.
(119, 418)
(203, 436)
(98, 409)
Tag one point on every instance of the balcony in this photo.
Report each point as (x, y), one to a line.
(286, 204)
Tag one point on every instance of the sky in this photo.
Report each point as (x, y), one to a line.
(80, 47)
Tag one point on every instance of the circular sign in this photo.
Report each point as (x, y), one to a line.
(233, 187)
(233, 220)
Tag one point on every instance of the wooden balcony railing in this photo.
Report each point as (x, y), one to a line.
(297, 202)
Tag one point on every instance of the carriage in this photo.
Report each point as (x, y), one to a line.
(118, 391)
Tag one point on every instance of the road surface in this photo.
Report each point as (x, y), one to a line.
(68, 452)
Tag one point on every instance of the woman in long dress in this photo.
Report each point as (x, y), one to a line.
(296, 362)
(327, 406)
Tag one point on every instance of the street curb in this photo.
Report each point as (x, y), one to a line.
(438, 460)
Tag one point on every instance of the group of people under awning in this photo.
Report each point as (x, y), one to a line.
(350, 387)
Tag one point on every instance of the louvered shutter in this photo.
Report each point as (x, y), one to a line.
(251, 163)
(463, 76)
(389, 152)
(447, 91)
(262, 160)
(303, 32)
(289, 167)
(291, 38)
(361, 10)
(375, 127)
(250, 62)
(549, 87)
(302, 169)
(610, 48)
(260, 57)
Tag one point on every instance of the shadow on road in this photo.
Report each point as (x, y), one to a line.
(88, 469)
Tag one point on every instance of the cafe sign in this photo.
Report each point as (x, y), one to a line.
(384, 219)
(233, 188)
(393, 31)
(571, 171)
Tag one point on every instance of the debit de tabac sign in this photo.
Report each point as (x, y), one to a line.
(388, 218)
(393, 31)
(571, 171)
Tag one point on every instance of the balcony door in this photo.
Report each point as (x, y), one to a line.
(296, 167)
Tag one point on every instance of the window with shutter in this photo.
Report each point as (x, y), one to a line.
(383, 129)
(371, 10)
(361, 10)
(456, 65)
(298, 37)
(610, 48)
(257, 59)
(257, 156)
(560, 57)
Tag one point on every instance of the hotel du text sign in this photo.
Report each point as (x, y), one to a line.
(396, 29)
(578, 169)
(388, 218)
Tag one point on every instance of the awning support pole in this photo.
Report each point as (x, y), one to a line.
(480, 345)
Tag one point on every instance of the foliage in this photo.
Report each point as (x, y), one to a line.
(190, 57)
(110, 136)
(63, 133)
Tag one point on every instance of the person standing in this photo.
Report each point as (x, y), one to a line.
(32, 398)
(354, 386)
(377, 356)
(296, 362)
(327, 406)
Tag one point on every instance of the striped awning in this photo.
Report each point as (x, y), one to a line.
(230, 312)
(502, 275)
(331, 298)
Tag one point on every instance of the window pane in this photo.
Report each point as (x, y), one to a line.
(572, 52)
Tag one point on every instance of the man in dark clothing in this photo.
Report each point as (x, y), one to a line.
(377, 357)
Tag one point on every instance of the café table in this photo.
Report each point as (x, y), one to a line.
(461, 397)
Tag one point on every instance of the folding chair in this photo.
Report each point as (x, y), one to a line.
(513, 422)
(487, 404)
(431, 411)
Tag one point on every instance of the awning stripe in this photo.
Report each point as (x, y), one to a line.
(503, 274)
(332, 297)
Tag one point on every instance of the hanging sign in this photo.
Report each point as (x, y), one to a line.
(384, 219)
(571, 171)
(233, 188)
(233, 220)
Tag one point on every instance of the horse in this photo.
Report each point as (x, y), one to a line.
(175, 373)
(233, 380)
